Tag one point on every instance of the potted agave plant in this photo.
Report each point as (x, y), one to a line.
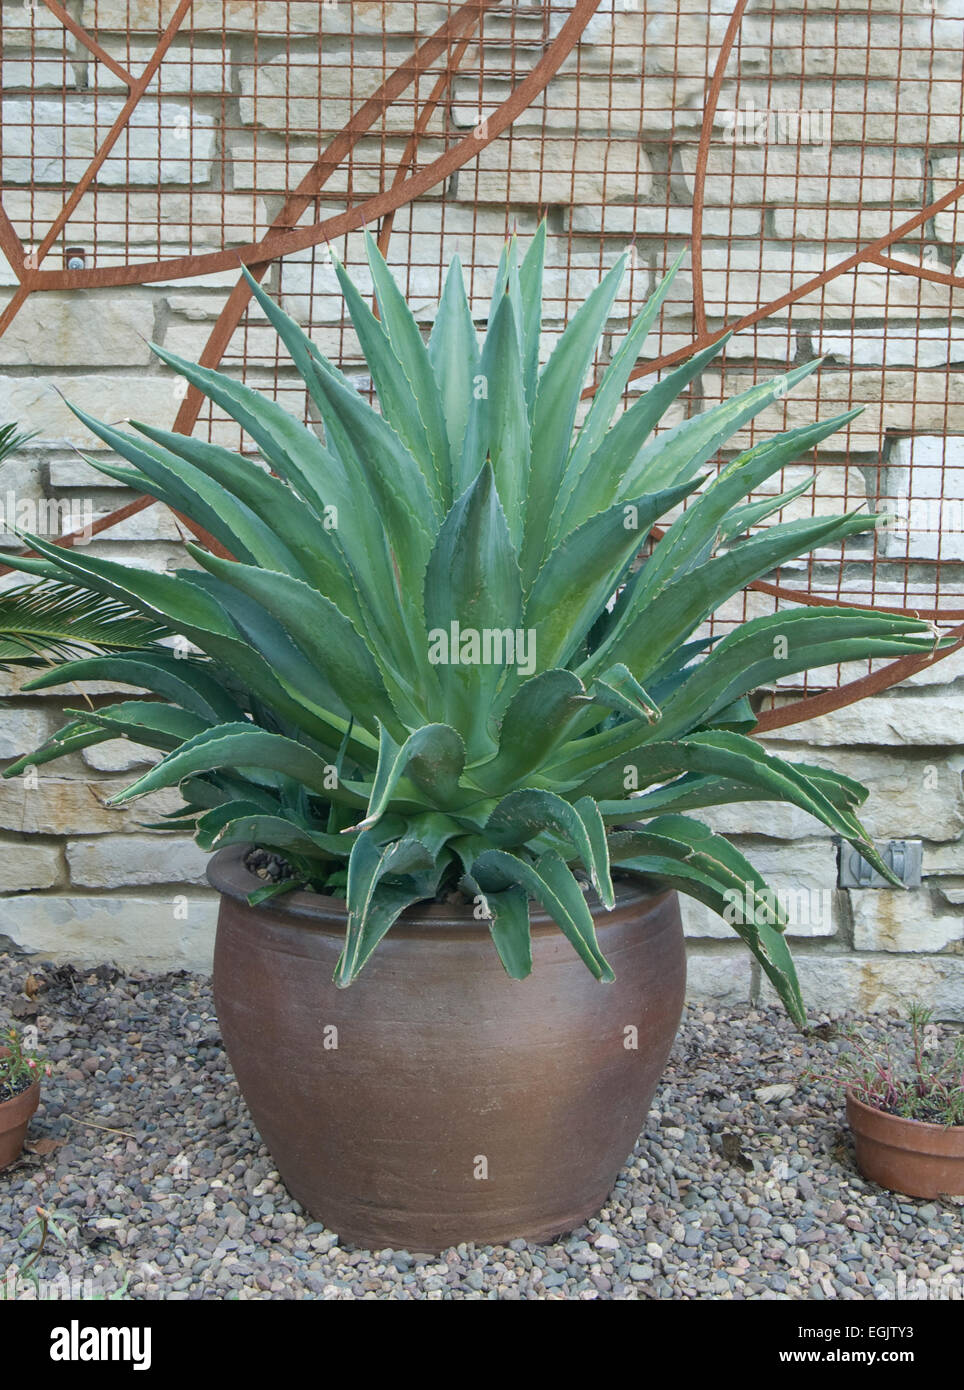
(906, 1110)
(450, 1000)
(20, 1073)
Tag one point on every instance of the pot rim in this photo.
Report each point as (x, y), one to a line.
(227, 873)
(925, 1126)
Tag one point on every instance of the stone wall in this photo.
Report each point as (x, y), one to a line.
(609, 153)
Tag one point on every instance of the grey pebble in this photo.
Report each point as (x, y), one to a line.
(195, 1209)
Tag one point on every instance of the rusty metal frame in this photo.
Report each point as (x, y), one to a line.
(810, 706)
(284, 236)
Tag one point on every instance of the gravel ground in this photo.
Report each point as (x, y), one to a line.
(742, 1185)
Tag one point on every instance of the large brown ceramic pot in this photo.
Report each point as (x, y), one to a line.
(436, 1100)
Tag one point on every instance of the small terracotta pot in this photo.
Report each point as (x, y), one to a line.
(435, 1100)
(14, 1117)
(909, 1156)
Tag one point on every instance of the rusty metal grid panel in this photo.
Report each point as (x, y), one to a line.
(807, 154)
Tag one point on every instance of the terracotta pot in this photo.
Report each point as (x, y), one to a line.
(14, 1117)
(907, 1156)
(435, 1100)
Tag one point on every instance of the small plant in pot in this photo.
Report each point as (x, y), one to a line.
(429, 679)
(905, 1107)
(20, 1074)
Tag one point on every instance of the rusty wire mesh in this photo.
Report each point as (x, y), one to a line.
(807, 153)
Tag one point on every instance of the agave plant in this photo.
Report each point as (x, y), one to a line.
(429, 662)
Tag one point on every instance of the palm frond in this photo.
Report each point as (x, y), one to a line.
(52, 620)
(13, 438)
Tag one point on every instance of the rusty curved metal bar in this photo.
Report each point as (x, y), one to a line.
(283, 242)
(464, 20)
(10, 244)
(408, 154)
(20, 296)
(138, 86)
(829, 700)
(702, 160)
(765, 586)
(310, 186)
(810, 706)
(89, 42)
(870, 252)
(922, 272)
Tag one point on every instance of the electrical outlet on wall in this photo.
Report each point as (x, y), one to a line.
(904, 857)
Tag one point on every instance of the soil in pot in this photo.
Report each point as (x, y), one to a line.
(909, 1156)
(436, 1100)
